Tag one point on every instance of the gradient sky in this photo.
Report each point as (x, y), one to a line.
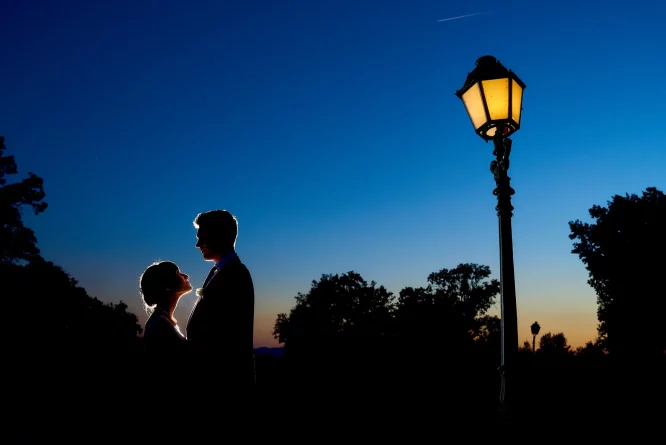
(332, 131)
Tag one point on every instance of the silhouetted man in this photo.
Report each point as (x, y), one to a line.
(221, 325)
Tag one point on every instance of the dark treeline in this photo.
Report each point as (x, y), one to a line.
(355, 352)
(430, 351)
(65, 354)
(437, 346)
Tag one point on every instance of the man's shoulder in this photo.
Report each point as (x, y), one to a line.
(238, 276)
(237, 267)
(244, 268)
(234, 273)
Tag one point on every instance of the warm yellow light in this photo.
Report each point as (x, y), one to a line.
(474, 105)
(516, 101)
(497, 98)
(493, 98)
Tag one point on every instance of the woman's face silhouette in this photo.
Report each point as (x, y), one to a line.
(185, 285)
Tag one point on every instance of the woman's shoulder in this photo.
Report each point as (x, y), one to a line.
(159, 326)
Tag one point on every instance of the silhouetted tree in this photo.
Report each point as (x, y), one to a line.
(525, 352)
(52, 313)
(63, 345)
(525, 348)
(59, 343)
(47, 305)
(452, 308)
(554, 345)
(444, 335)
(281, 328)
(623, 251)
(337, 305)
(489, 330)
(488, 340)
(337, 331)
(591, 351)
(17, 242)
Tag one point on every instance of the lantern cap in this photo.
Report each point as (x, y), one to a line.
(487, 68)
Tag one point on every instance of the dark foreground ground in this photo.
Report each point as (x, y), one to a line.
(375, 399)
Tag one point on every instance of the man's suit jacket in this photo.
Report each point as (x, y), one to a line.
(221, 327)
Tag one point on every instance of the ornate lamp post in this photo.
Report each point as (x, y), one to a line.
(493, 97)
(535, 331)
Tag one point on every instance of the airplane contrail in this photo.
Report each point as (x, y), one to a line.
(461, 17)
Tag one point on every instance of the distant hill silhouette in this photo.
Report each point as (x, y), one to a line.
(276, 352)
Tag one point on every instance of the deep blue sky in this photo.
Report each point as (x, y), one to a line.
(332, 131)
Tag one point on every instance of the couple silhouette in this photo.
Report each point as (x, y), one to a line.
(217, 346)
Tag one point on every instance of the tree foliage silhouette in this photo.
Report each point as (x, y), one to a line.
(337, 305)
(554, 345)
(489, 331)
(590, 351)
(454, 303)
(345, 338)
(61, 315)
(623, 251)
(344, 327)
(17, 242)
(47, 309)
(452, 308)
(61, 343)
(335, 331)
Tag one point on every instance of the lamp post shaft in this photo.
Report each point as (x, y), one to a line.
(509, 323)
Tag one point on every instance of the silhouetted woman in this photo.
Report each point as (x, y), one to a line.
(162, 284)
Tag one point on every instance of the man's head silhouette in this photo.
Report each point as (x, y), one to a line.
(216, 234)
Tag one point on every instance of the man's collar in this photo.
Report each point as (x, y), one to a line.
(225, 259)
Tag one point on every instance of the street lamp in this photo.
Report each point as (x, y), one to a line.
(535, 331)
(493, 97)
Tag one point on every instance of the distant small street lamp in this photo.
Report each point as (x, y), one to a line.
(493, 97)
(535, 331)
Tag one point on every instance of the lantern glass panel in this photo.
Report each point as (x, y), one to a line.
(497, 98)
(516, 101)
(474, 105)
